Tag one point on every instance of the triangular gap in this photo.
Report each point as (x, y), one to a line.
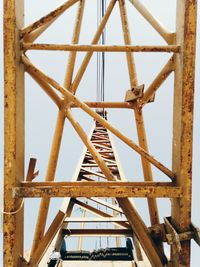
(139, 26)
(34, 30)
(162, 11)
(87, 88)
(68, 158)
(53, 64)
(150, 24)
(114, 35)
(149, 65)
(132, 71)
(56, 97)
(61, 31)
(33, 13)
(116, 64)
(89, 22)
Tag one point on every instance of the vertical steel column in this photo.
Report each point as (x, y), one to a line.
(14, 132)
(183, 122)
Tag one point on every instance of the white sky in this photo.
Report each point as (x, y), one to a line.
(41, 113)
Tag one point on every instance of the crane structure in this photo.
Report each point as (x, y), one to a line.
(98, 178)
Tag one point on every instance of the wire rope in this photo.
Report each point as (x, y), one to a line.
(101, 8)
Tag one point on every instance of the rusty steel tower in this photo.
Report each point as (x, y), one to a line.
(98, 178)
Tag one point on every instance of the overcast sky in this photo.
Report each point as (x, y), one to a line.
(41, 112)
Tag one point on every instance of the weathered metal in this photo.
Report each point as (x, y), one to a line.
(96, 189)
(100, 48)
(13, 132)
(99, 161)
(183, 122)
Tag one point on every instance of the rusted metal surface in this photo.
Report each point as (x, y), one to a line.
(49, 17)
(96, 189)
(98, 173)
(13, 132)
(183, 121)
(101, 48)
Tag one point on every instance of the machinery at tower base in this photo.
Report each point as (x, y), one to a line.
(107, 254)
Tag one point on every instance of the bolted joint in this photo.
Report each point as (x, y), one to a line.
(157, 232)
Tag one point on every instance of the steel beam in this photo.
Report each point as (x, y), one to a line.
(183, 122)
(14, 132)
(96, 189)
(101, 48)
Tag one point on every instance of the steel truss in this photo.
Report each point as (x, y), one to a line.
(178, 229)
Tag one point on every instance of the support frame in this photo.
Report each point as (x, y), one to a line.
(182, 63)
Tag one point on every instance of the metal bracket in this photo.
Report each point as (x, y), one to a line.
(196, 233)
(31, 174)
(172, 235)
(134, 93)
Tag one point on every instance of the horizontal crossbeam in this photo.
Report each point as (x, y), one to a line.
(95, 219)
(101, 48)
(96, 189)
(98, 232)
(107, 105)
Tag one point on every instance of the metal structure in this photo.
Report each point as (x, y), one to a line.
(178, 229)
